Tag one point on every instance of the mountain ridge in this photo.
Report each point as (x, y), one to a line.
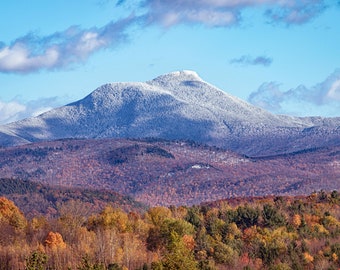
(175, 106)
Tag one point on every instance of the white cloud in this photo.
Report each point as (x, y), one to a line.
(334, 91)
(9, 111)
(32, 53)
(322, 99)
(89, 41)
(18, 58)
(16, 110)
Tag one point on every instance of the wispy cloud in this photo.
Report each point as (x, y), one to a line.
(248, 60)
(169, 13)
(228, 12)
(9, 111)
(321, 99)
(296, 12)
(15, 110)
(32, 53)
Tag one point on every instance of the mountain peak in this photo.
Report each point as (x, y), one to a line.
(178, 76)
(186, 73)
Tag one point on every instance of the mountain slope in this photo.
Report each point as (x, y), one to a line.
(178, 105)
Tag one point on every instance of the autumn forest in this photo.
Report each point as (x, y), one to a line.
(251, 233)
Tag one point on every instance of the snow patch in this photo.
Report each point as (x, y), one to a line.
(177, 77)
(200, 166)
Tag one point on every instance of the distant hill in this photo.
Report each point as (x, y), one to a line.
(36, 199)
(176, 106)
(158, 172)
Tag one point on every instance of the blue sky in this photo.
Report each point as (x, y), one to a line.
(282, 55)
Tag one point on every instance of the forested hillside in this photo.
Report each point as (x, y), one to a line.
(158, 172)
(39, 199)
(255, 233)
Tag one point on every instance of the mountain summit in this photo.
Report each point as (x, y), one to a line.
(175, 106)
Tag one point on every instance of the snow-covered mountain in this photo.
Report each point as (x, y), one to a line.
(178, 105)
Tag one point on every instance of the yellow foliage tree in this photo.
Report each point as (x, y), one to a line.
(11, 214)
(189, 241)
(296, 220)
(54, 240)
(157, 215)
(110, 218)
(308, 258)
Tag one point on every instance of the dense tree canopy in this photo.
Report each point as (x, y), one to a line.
(272, 233)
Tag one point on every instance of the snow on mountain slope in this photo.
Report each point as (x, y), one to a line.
(7, 137)
(178, 105)
(187, 85)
